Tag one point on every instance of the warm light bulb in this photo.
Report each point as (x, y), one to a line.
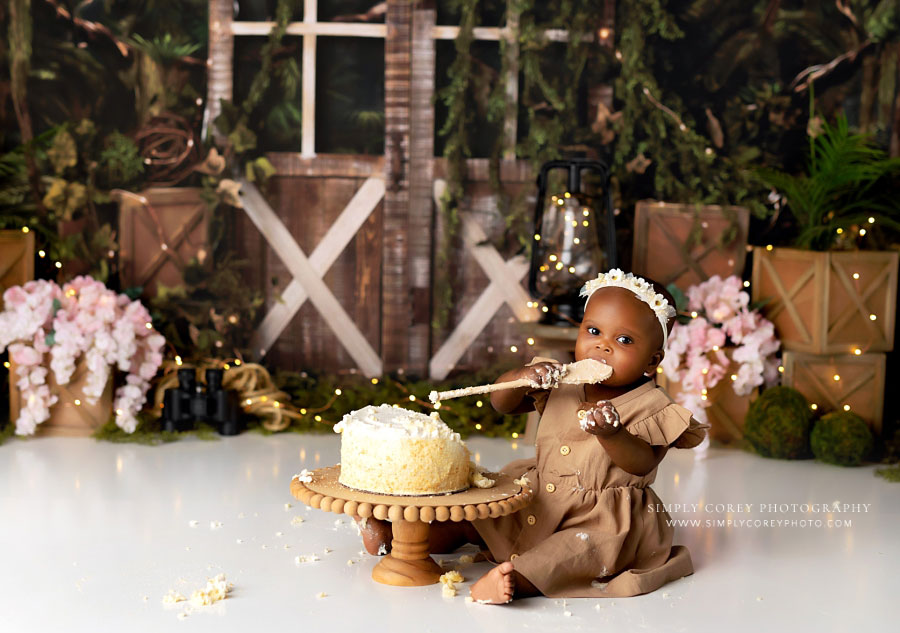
(813, 406)
(25, 229)
(585, 223)
(871, 220)
(836, 377)
(586, 213)
(781, 369)
(58, 264)
(374, 381)
(479, 404)
(337, 392)
(872, 317)
(734, 376)
(567, 194)
(704, 371)
(515, 436)
(746, 284)
(572, 269)
(318, 418)
(537, 237)
(857, 351)
(552, 258)
(856, 275)
(437, 405)
(302, 411)
(77, 402)
(862, 232)
(530, 341)
(545, 309)
(659, 370)
(412, 398)
(693, 315)
(577, 241)
(513, 349)
(715, 348)
(839, 231)
(178, 360)
(846, 407)
(769, 247)
(41, 253)
(478, 426)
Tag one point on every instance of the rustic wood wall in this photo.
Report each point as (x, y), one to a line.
(308, 195)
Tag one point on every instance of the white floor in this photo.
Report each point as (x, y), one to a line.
(93, 535)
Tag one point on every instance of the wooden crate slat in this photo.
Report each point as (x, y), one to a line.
(16, 259)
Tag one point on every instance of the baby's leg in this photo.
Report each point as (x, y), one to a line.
(376, 535)
(448, 536)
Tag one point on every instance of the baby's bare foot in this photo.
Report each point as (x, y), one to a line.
(376, 535)
(496, 586)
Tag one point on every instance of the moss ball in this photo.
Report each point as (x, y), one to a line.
(778, 423)
(841, 438)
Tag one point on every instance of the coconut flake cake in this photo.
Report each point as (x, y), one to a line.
(389, 450)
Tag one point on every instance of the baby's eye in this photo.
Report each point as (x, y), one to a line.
(593, 331)
(624, 340)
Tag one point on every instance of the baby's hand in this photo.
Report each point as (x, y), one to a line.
(543, 375)
(599, 418)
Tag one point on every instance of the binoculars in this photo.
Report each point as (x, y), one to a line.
(190, 402)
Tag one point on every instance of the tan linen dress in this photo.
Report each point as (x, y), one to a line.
(593, 530)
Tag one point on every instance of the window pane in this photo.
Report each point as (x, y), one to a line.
(276, 119)
(264, 10)
(486, 73)
(350, 95)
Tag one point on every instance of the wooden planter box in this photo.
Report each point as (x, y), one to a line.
(824, 302)
(727, 410)
(159, 236)
(16, 259)
(861, 383)
(67, 419)
(662, 232)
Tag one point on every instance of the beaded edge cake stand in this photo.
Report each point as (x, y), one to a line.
(410, 564)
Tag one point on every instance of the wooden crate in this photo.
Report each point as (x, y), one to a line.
(727, 410)
(158, 236)
(860, 384)
(16, 259)
(67, 419)
(828, 302)
(662, 232)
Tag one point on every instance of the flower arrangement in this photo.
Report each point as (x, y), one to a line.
(81, 318)
(720, 318)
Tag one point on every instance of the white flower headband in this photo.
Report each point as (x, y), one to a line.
(640, 287)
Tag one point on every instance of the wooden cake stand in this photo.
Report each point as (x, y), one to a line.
(410, 564)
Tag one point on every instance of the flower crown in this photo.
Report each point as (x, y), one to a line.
(640, 287)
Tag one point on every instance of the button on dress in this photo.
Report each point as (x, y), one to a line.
(596, 532)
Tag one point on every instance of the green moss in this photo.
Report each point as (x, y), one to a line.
(891, 473)
(778, 424)
(841, 438)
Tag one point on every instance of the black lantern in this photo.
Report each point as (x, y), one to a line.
(574, 237)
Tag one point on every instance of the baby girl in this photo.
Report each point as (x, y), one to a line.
(595, 528)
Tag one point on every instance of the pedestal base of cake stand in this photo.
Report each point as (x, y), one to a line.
(409, 564)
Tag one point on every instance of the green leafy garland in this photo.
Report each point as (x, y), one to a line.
(315, 397)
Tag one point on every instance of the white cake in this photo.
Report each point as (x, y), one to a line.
(389, 450)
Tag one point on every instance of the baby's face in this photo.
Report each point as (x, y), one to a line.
(620, 330)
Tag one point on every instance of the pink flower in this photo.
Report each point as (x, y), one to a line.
(90, 324)
(24, 355)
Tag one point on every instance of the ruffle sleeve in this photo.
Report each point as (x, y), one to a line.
(671, 426)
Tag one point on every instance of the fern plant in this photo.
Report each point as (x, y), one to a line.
(846, 186)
